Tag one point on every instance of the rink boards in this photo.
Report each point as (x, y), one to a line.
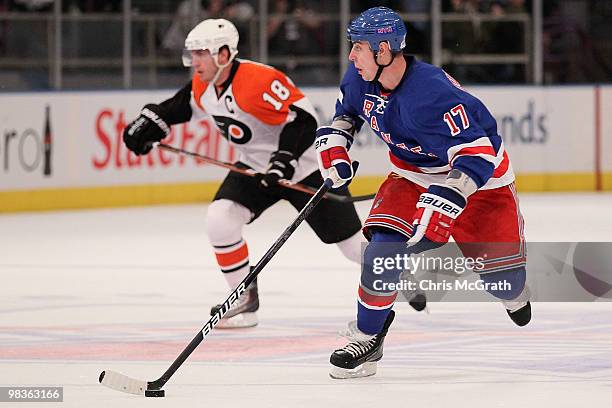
(558, 138)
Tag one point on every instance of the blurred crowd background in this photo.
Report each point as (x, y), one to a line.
(106, 44)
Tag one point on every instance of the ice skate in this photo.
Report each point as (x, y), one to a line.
(243, 313)
(415, 298)
(522, 315)
(519, 309)
(360, 356)
(418, 301)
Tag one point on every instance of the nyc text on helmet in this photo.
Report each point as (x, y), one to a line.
(212, 35)
(376, 25)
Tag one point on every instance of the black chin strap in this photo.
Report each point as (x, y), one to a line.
(380, 67)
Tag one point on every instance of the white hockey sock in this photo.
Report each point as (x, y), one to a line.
(234, 278)
(518, 302)
(225, 220)
(351, 247)
(233, 260)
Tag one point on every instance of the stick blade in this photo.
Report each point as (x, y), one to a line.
(123, 383)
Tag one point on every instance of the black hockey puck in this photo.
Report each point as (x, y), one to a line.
(155, 393)
(101, 376)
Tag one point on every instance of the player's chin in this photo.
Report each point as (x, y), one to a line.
(365, 76)
(204, 77)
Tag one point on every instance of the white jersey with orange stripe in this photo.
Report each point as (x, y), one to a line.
(252, 111)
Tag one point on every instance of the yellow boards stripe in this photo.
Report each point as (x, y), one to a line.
(115, 196)
(177, 193)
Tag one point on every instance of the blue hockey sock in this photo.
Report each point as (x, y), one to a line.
(510, 282)
(375, 298)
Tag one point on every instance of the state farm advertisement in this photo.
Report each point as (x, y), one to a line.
(605, 129)
(545, 129)
(74, 139)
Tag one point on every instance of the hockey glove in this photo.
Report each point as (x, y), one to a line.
(332, 145)
(437, 210)
(282, 166)
(148, 128)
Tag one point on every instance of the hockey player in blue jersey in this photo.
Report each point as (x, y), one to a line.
(450, 176)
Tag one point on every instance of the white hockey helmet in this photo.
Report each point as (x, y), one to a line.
(212, 35)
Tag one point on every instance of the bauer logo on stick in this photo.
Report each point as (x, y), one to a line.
(225, 307)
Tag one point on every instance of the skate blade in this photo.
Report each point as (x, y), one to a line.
(239, 321)
(364, 370)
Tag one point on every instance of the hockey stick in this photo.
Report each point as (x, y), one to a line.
(248, 172)
(120, 382)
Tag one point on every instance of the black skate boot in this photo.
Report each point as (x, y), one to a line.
(242, 314)
(416, 298)
(418, 301)
(360, 356)
(519, 309)
(522, 315)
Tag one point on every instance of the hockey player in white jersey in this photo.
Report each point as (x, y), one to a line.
(272, 125)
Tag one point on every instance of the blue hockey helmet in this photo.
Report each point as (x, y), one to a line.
(376, 25)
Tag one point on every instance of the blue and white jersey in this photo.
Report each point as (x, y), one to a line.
(430, 124)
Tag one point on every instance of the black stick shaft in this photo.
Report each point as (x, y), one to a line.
(233, 297)
(249, 172)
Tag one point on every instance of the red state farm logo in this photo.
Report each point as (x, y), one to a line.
(201, 137)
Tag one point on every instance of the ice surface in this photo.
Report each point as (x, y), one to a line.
(127, 289)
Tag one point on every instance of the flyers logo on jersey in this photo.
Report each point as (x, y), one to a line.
(233, 130)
